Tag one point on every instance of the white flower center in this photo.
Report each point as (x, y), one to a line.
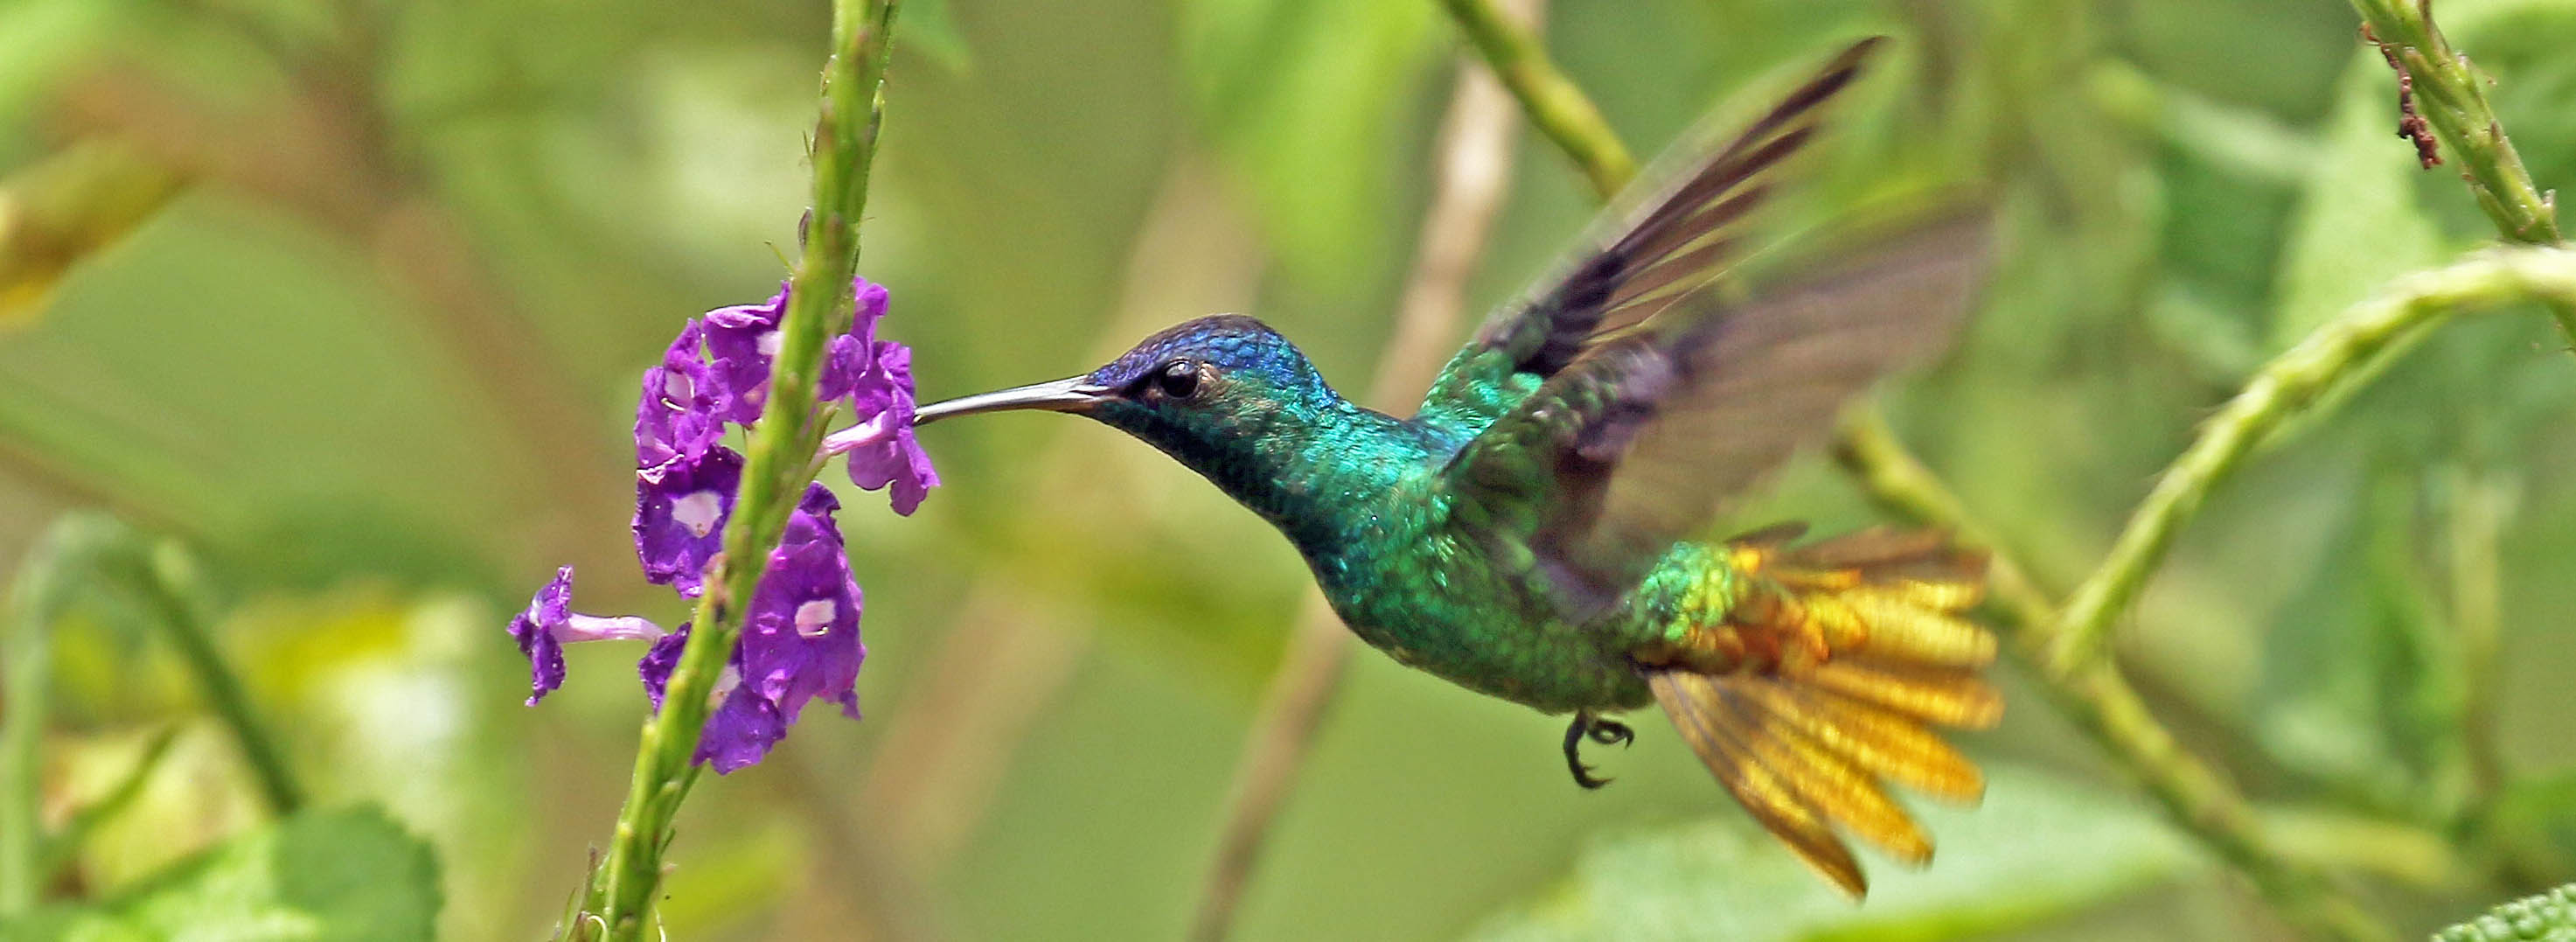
(766, 343)
(814, 619)
(697, 511)
(676, 385)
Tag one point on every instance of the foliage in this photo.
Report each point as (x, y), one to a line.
(342, 875)
(2541, 917)
(374, 362)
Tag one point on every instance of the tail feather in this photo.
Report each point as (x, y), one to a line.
(1946, 696)
(1889, 745)
(1764, 791)
(1871, 654)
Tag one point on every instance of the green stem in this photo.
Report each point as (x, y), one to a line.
(775, 472)
(169, 584)
(1553, 103)
(2451, 95)
(60, 845)
(2290, 382)
(36, 598)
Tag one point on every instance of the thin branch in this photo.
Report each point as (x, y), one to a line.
(775, 471)
(2437, 86)
(1474, 172)
(36, 597)
(1551, 102)
(168, 580)
(2450, 94)
(2290, 382)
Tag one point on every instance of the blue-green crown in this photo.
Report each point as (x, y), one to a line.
(1236, 345)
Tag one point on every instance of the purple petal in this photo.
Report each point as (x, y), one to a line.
(744, 725)
(680, 511)
(894, 459)
(741, 732)
(676, 414)
(742, 340)
(659, 662)
(534, 629)
(868, 306)
(802, 637)
(845, 366)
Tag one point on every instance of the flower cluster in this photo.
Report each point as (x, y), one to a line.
(801, 637)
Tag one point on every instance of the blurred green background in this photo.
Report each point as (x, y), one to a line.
(375, 360)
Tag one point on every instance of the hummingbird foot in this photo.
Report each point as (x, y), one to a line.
(1604, 732)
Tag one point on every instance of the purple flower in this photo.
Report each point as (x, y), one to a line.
(743, 339)
(802, 637)
(681, 506)
(676, 415)
(880, 450)
(742, 727)
(549, 623)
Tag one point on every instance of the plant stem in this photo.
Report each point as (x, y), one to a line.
(60, 845)
(1552, 102)
(167, 580)
(2451, 96)
(36, 598)
(2291, 381)
(775, 471)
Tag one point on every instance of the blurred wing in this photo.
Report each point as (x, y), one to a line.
(1633, 445)
(1638, 262)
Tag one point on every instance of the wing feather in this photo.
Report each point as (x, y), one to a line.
(1635, 444)
(1676, 238)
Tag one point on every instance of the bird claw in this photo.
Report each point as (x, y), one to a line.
(1611, 732)
(1604, 732)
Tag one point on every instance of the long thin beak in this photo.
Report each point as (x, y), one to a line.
(1076, 394)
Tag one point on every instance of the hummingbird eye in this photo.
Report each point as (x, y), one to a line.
(1177, 379)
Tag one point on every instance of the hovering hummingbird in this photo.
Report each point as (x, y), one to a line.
(1524, 534)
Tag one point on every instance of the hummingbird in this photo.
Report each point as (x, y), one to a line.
(1528, 532)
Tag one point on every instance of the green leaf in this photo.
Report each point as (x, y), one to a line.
(2039, 848)
(346, 874)
(2543, 917)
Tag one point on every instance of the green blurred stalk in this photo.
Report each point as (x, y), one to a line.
(60, 845)
(167, 579)
(2284, 386)
(779, 465)
(1552, 102)
(67, 207)
(36, 599)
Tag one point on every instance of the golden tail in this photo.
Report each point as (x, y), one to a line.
(1824, 681)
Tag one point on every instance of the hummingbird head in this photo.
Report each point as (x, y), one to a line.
(1197, 390)
(1234, 401)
